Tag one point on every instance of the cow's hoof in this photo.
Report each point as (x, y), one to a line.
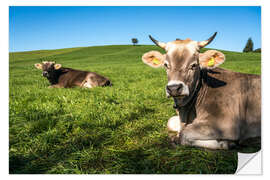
(173, 144)
(174, 140)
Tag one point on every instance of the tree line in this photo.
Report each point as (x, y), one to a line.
(249, 47)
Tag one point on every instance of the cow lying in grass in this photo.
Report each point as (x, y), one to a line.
(60, 77)
(218, 108)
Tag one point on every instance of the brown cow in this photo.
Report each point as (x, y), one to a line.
(217, 107)
(60, 77)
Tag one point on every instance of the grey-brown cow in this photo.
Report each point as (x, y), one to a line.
(217, 107)
(60, 77)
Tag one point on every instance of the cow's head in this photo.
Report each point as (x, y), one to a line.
(48, 68)
(183, 63)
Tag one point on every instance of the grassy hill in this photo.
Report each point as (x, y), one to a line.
(119, 129)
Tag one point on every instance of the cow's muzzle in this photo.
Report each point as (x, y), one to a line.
(174, 90)
(177, 90)
(45, 74)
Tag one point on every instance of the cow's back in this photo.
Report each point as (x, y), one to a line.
(98, 80)
(72, 77)
(251, 91)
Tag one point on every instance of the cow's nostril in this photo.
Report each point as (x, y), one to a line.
(179, 87)
(168, 89)
(45, 73)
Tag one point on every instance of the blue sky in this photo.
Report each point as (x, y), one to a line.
(52, 27)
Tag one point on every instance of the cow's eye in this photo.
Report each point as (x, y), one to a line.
(166, 65)
(193, 66)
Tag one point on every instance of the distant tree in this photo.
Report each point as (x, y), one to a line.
(134, 41)
(258, 50)
(249, 46)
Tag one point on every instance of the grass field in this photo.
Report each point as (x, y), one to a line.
(118, 129)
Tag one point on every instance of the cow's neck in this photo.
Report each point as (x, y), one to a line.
(187, 110)
(54, 76)
(203, 88)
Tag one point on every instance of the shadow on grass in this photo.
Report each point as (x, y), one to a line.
(250, 145)
(41, 161)
(160, 157)
(154, 157)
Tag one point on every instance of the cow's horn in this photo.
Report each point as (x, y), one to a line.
(204, 43)
(160, 44)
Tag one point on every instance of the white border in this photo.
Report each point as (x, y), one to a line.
(249, 164)
(4, 72)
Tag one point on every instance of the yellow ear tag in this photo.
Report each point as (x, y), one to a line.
(211, 62)
(156, 61)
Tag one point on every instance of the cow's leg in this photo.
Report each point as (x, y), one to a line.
(174, 124)
(87, 83)
(211, 144)
(174, 127)
(203, 135)
(55, 86)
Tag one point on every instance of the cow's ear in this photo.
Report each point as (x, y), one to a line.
(154, 59)
(211, 59)
(57, 66)
(38, 66)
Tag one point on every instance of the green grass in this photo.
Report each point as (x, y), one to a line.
(119, 129)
